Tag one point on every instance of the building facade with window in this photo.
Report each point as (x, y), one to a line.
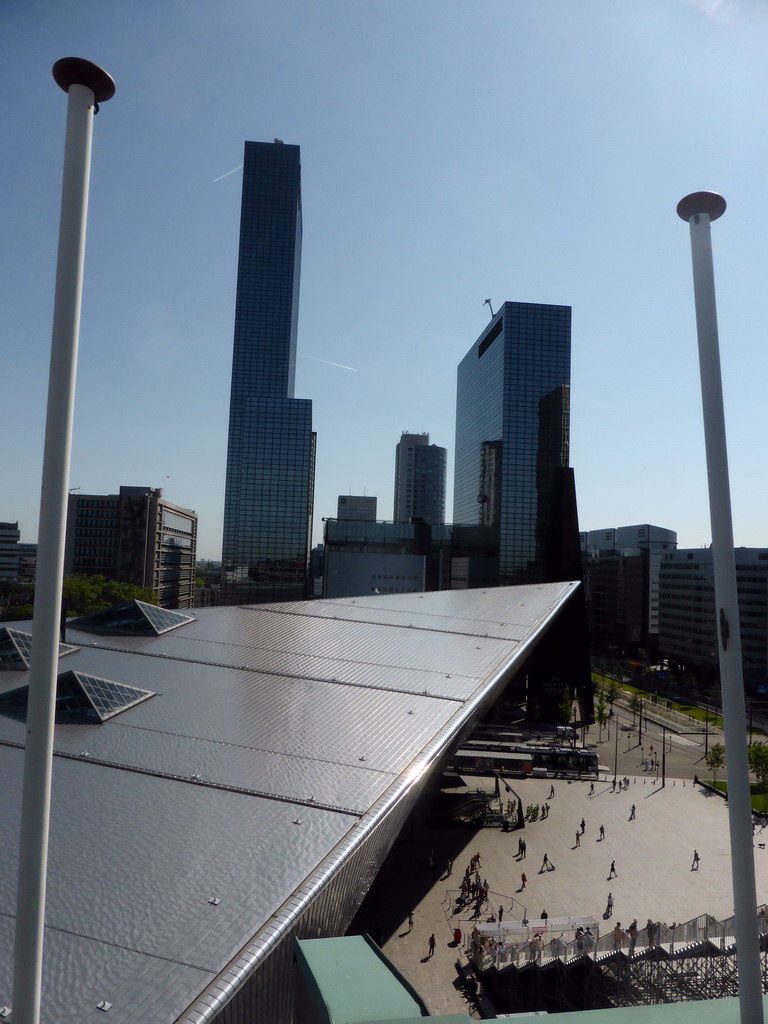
(687, 614)
(356, 506)
(134, 537)
(9, 549)
(512, 439)
(419, 480)
(271, 448)
(512, 473)
(621, 584)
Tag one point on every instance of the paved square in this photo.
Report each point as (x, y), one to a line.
(653, 855)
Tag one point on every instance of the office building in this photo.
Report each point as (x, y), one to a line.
(9, 549)
(621, 584)
(271, 447)
(134, 537)
(27, 561)
(511, 470)
(230, 782)
(419, 480)
(363, 558)
(688, 624)
(356, 506)
(512, 439)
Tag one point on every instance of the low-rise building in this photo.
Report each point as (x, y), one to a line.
(136, 537)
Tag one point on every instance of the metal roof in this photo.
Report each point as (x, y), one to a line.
(274, 732)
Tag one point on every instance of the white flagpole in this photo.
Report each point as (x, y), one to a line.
(86, 85)
(699, 209)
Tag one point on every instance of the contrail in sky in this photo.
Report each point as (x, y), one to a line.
(238, 168)
(328, 361)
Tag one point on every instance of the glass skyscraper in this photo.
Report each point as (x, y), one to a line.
(512, 438)
(271, 447)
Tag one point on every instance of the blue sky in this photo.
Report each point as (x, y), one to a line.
(529, 150)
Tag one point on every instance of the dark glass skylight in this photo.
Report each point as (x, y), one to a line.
(136, 617)
(16, 648)
(80, 697)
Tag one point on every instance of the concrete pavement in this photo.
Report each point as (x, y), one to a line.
(653, 855)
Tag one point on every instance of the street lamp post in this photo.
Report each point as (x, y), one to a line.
(87, 85)
(699, 209)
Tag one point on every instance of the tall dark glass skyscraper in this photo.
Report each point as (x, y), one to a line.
(512, 477)
(271, 448)
(512, 437)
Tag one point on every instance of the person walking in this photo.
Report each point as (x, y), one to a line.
(449, 869)
(695, 864)
(613, 786)
(613, 872)
(544, 864)
(609, 905)
(410, 920)
(591, 789)
(583, 826)
(523, 880)
(632, 813)
(578, 839)
(431, 944)
(602, 833)
(552, 791)
(525, 848)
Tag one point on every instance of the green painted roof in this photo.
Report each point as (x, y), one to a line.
(708, 1011)
(351, 981)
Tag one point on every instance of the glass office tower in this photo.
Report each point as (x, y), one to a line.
(512, 437)
(271, 448)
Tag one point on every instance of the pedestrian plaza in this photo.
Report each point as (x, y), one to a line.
(653, 853)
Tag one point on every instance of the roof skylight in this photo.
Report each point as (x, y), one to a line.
(81, 697)
(16, 648)
(136, 617)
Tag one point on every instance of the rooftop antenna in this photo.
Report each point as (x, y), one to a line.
(488, 304)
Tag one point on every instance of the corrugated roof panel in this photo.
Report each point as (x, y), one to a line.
(138, 846)
(140, 988)
(349, 783)
(353, 669)
(305, 720)
(157, 851)
(470, 610)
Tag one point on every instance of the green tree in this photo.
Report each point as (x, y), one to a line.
(564, 707)
(85, 594)
(601, 712)
(635, 705)
(758, 765)
(612, 691)
(715, 760)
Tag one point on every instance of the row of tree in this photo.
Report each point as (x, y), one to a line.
(757, 755)
(82, 595)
